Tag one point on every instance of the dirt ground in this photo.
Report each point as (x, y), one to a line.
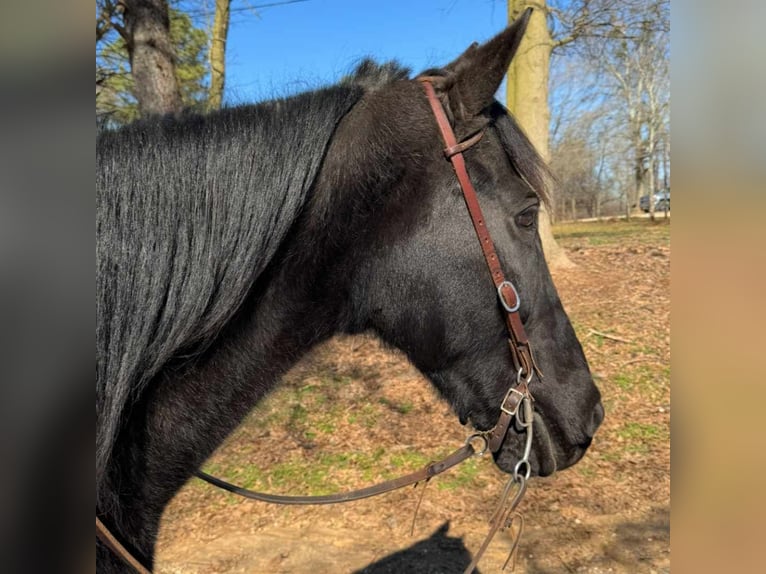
(352, 413)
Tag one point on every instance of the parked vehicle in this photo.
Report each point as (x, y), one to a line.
(661, 202)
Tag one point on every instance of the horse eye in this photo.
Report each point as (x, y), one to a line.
(527, 218)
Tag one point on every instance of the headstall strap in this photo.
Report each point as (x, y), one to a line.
(521, 351)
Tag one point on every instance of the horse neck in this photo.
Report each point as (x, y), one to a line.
(191, 406)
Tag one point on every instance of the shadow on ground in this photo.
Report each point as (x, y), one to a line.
(633, 547)
(438, 554)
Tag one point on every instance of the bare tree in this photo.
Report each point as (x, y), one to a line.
(634, 59)
(606, 38)
(579, 156)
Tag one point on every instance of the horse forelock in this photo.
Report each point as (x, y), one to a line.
(523, 155)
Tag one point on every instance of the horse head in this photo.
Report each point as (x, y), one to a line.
(421, 283)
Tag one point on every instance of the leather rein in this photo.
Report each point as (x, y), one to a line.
(517, 402)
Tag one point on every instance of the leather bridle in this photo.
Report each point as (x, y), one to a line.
(517, 402)
(521, 350)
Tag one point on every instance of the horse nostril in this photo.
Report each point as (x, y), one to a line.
(598, 416)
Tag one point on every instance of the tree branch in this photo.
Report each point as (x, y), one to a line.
(608, 336)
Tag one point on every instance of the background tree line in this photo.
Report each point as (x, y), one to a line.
(610, 92)
(602, 66)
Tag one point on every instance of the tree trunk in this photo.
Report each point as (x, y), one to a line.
(650, 169)
(666, 161)
(152, 57)
(527, 99)
(218, 53)
(639, 175)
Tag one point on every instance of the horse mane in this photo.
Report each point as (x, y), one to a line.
(371, 75)
(189, 213)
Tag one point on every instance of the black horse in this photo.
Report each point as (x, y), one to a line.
(230, 244)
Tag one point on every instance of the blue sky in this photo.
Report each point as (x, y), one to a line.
(291, 48)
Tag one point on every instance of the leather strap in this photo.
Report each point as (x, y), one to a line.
(463, 145)
(426, 473)
(103, 534)
(521, 350)
(503, 518)
(454, 152)
(508, 410)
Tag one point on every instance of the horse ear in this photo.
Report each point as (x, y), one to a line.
(479, 70)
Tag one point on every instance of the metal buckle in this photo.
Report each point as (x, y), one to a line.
(502, 299)
(516, 408)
